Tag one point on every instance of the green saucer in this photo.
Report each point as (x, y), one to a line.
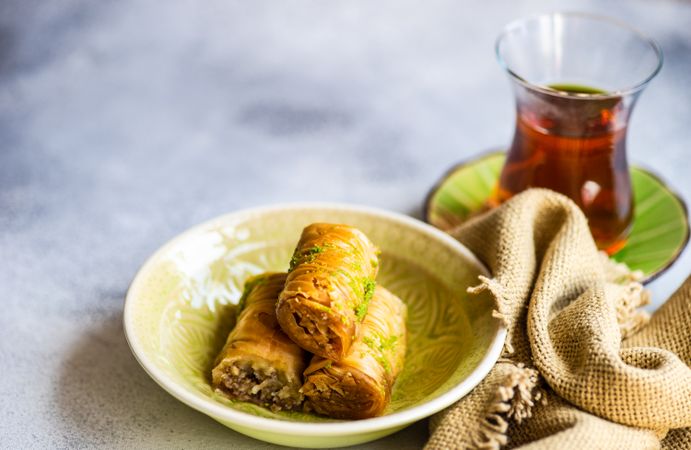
(660, 227)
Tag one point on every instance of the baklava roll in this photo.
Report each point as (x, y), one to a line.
(259, 363)
(359, 386)
(329, 286)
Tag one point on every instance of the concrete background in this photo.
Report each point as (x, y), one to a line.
(124, 123)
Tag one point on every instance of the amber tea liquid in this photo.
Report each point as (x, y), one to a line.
(573, 141)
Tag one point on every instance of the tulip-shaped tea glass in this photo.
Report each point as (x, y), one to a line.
(576, 78)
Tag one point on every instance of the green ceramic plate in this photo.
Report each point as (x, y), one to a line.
(180, 306)
(660, 228)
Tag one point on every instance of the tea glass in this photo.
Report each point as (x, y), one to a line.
(576, 78)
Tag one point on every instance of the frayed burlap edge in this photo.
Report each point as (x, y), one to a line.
(516, 394)
(511, 392)
(496, 289)
(513, 400)
(628, 293)
(520, 390)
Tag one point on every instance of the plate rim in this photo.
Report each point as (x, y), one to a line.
(441, 181)
(227, 414)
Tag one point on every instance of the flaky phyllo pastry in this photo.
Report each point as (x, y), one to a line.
(359, 385)
(328, 289)
(259, 363)
(327, 308)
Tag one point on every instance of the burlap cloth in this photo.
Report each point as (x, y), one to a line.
(582, 367)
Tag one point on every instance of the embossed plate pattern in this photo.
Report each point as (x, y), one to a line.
(181, 305)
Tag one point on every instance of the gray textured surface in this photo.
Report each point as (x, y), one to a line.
(123, 123)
